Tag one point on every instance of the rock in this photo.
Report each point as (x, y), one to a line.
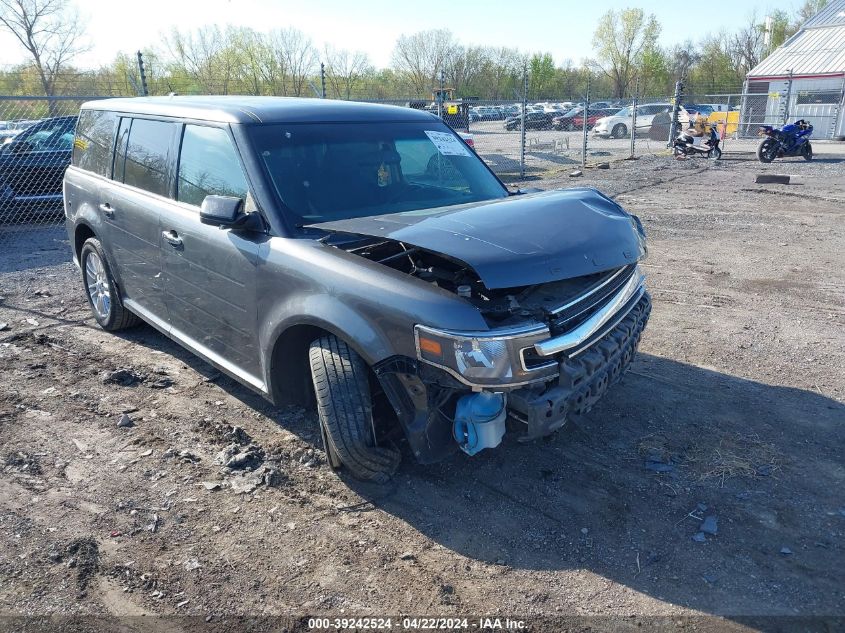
(161, 383)
(273, 478)
(191, 564)
(4, 327)
(585, 531)
(603, 166)
(576, 173)
(778, 179)
(211, 485)
(710, 578)
(244, 484)
(710, 525)
(238, 436)
(124, 376)
(699, 537)
(125, 422)
(188, 456)
(407, 556)
(785, 551)
(226, 454)
(247, 459)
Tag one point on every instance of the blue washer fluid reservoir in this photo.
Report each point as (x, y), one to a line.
(479, 421)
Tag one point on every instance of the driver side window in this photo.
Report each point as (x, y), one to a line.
(208, 165)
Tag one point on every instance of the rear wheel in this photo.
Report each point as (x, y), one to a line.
(619, 130)
(767, 150)
(101, 289)
(345, 409)
(807, 151)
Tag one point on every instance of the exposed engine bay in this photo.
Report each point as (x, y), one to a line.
(500, 307)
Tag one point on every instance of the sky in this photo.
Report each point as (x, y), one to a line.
(563, 28)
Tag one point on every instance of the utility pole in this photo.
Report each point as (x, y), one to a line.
(143, 73)
(440, 94)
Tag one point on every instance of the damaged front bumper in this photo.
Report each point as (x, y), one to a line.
(555, 376)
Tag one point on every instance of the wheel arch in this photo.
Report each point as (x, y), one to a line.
(82, 232)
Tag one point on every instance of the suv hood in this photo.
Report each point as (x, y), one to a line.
(523, 240)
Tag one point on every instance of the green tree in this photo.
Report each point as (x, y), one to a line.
(620, 41)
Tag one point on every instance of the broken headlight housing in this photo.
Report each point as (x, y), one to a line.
(479, 359)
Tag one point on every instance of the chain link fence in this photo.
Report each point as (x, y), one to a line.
(519, 139)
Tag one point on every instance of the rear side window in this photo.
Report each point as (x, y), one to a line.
(92, 147)
(208, 165)
(147, 155)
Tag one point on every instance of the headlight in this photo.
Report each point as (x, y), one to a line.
(480, 358)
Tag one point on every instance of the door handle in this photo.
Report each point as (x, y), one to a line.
(107, 210)
(172, 238)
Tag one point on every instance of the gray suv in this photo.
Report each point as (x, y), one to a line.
(358, 257)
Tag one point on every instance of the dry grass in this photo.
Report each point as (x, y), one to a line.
(737, 455)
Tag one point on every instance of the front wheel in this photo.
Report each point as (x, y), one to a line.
(101, 289)
(714, 154)
(807, 151)
(345, 410)
(767, 150)
(619, 130)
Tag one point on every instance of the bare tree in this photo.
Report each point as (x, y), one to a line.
(422, 56)
(746, 46)
(620, 40)
(50, 31)
(344, 69)
(296, 54)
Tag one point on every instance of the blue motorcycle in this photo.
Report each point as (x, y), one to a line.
(790, 140)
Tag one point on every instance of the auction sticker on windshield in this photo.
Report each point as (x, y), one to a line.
(447, 144)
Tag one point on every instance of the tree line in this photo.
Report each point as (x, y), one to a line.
(626, 59)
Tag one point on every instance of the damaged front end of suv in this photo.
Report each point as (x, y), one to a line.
(556, 279)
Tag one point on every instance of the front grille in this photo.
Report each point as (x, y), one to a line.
(574, 313)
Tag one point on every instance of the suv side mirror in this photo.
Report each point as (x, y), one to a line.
(220, 210)
(227, 212)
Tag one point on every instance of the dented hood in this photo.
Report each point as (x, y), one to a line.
(518, 241)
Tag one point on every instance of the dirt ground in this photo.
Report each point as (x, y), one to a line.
(710, 482)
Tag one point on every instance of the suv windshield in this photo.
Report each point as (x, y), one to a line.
(335, 171)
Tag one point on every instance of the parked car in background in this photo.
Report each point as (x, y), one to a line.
(358, 259)
(564, 121)
(619, 124)
(486, 113)
(536, 120)
(467, 139)
(592, 117)
(32, 164)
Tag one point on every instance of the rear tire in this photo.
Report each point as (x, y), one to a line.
(807, 151)
(620, 130)
(101, 289)
(345, 411)
(766, 151)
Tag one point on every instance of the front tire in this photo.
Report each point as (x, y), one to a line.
(345, 410)
(807, 151)
(101, 290)
(619, 130)
(767, 150)
(714, 154)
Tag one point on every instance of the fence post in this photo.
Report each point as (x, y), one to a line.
(586, 116)
(440, 95)
(727, 116)
(673, 124)
(522, 121)
(788, 97)
(322, 80)
(143, 73)
(634, 115)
